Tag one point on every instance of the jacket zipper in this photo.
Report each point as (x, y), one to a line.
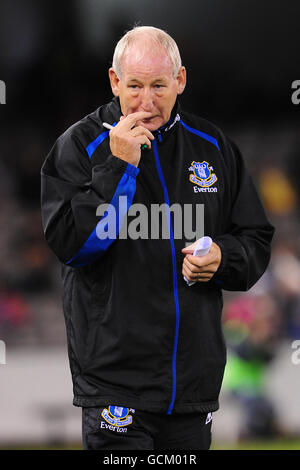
(166, 198)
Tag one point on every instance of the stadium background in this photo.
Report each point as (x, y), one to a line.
(241, 60)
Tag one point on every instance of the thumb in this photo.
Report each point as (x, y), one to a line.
(190, 248)
(187, 251)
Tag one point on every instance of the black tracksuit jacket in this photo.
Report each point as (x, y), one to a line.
(138, 335)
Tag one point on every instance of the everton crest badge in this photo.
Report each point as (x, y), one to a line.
(117, 416)
(202, 174)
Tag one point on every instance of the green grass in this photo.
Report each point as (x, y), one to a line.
(276, 444)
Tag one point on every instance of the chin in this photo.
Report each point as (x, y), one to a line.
(151, 127)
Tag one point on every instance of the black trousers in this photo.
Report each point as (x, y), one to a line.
(117, 428)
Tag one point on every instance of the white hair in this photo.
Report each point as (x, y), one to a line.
(156, 35)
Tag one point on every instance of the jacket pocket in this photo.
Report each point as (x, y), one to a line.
(101, 282)
(100, 276)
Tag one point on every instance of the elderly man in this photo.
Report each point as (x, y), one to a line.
(143, 315)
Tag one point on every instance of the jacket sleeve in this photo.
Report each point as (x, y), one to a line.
(72, 192)
(246, 243)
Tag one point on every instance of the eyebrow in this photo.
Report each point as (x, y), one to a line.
(158, 79)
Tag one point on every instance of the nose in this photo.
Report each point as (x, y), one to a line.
(146, 100)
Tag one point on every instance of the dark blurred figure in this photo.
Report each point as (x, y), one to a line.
(251, 324)
(285, 266)
(15, 312)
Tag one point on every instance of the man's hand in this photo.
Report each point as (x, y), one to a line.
(126, 140)
(201, 268)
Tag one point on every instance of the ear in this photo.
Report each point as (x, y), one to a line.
(181, 80)
(114, 81)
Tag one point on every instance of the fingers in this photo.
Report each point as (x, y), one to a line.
(143, 139)
(196, 277)
(201, 268)
(127, 125)
(140, 130)
(126, 139)
(198, 263)
(140, 134)
(194, 270)
(190, 249)
(130, 120)
(214, 255)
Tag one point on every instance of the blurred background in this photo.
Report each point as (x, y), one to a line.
(241, 60)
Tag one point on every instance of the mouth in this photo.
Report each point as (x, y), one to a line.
(147, 120)
(150, 123)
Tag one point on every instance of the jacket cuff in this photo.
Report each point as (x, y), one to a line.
(119, 164)
(222, 267)
(132, 170)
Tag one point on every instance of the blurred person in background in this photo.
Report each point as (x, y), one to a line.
(146, 350)
(251, 326)
(285, 267)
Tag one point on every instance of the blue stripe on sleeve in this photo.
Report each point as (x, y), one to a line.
(93, 145)
(208, 137)
(95, 246)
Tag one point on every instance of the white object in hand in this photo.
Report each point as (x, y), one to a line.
(108, 126)
(202, 248)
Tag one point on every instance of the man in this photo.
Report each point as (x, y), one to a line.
(146, 349)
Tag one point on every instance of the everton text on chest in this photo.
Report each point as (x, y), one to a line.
(154, 222)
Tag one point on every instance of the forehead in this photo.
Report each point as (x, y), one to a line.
(146, 61)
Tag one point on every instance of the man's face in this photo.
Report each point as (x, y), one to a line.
(147, 84)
